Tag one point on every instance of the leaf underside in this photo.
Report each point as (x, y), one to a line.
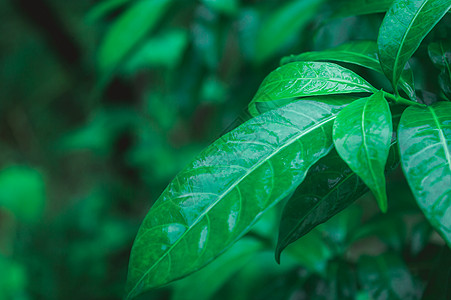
(220, 195)
(425, 148)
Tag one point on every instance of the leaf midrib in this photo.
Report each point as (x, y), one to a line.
(442, 137)
(258, 164)
(401, 44)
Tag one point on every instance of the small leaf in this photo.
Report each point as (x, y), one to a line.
(221, 194)
(283, 24)
(386, 277)
(362, 135)
(301, 79)
(362, 53)
(129, 29)
(440, 54)
(404, 27)
(425, 148)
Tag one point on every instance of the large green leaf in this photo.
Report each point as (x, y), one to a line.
(283, 24)
(129, 29)
(404, 27)
(301, 79)
(362, 53)
(362, 135)
(425, 148)
(329, 187)
(386, 277)
(440, 54)
(220, 195)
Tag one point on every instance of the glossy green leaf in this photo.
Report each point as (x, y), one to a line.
(221, 194)
(301, 79)
(425, 148)
(283, 24)
(129, 29)
(362, 53)
(404, 27)
(329, 187)
(440, 54)
(362, 135)
(205, 283)
(348, 8)
(386, 277)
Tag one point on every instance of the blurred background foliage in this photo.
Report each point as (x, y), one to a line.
(104, 101)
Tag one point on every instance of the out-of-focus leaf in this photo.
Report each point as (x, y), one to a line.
(229, 7)
(311, 252)
(13, 280)
(301, 79)
(421, 233)
(213, 91)
(386, 277)
(103, 8)
(405, 25)
(223, 192)
(389, 228)
(129, 29)
(439, 285)
(425, 147)
(440, 54)
(283, 24)
(362, 53)
(165, 50)
(22, 191)
(348, 8)
(204, 284)
(362, 135)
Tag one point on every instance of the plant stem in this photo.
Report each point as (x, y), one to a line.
(401, 100)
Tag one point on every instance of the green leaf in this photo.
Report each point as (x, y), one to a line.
(362, 53)
(22, 192)
(440, 54)
(301, 79)
(282, 25)
(221, 194)
(362, 135)
(425, 147)
(386, 277)
(205, 283)
(360, 7)
(128, 30)
(329, 187)
(163, 50)
(404, 27)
